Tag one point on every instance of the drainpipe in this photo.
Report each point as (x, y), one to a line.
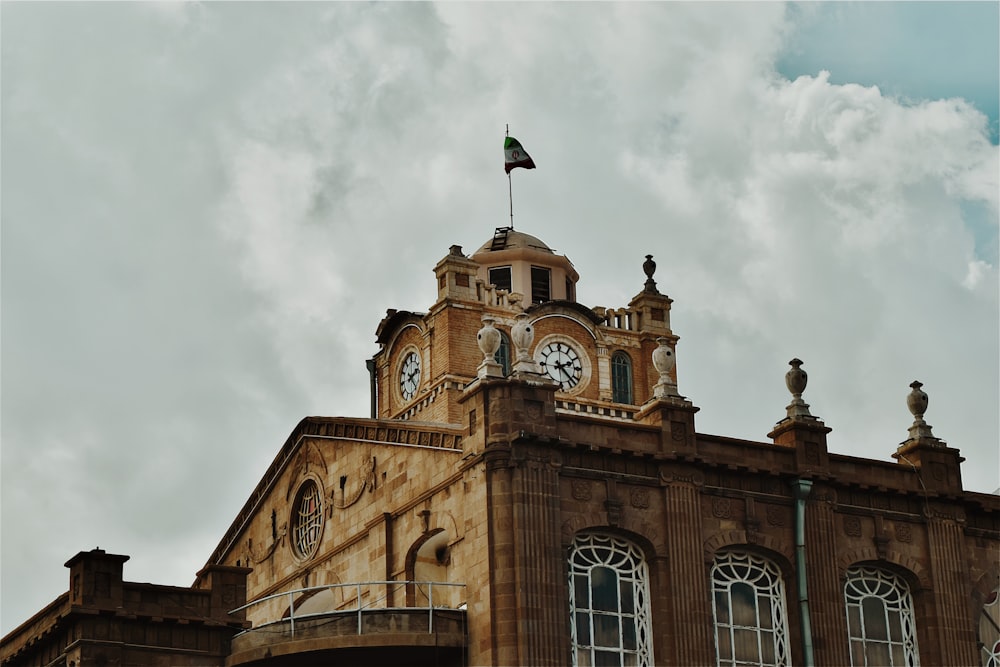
(802, 488)
(370, 363)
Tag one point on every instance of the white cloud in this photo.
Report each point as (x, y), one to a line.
(184, 289)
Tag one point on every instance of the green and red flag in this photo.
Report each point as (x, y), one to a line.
(515, 155)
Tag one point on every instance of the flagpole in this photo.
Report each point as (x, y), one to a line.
(510, 194)
(510, 188)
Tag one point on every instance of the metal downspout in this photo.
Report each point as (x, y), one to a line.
(802, 488)
(373, 382)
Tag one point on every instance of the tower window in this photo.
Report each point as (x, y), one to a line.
(500, 277)
(621, 377)
(541, 279)
(569, 290)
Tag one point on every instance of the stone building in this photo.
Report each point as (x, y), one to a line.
(531, 490)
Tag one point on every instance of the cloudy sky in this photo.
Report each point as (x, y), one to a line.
(207, 208)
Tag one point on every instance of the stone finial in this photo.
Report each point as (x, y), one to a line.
(796, 380)
(916, 401)
(522, 335)
(664, 362)
(488, 339)
(456, 251)
(649, 268)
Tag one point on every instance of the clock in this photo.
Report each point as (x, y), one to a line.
(409, 376)
(561, 362)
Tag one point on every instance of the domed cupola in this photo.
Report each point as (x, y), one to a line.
(519, 262)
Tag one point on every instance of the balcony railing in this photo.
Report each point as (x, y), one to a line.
(377, 601)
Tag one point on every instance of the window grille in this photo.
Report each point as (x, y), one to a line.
(748, 603)
(609, 603)
(880, 620)
(307, 521)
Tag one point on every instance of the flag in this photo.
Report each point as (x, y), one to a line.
(514, 155)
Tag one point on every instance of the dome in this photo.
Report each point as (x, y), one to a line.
(506, 238)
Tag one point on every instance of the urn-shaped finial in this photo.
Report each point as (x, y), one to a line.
(920, 431)
(917, 400)
(488, 339)
(649, 268)
(664, 362)
(795, 380)
(522, 334)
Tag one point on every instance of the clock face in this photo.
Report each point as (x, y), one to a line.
(561, 363)
(409, 376)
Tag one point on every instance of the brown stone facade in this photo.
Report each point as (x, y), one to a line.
(103, 620)
(444, 529)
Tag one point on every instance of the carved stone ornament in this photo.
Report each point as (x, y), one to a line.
(796, 380)
(775, 516)
(581, 489)
(664, 362)
(649, 268)
(852, 526)
(522, 335)
(639, 498)
(488, 339)
(722, 508)
(920, 431)
(917, 400)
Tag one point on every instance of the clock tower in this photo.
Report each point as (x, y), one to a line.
(596, 357)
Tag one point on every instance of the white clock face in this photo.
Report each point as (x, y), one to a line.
(409, 376)
(561, 363)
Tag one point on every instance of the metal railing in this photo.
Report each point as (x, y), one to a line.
(359, 607)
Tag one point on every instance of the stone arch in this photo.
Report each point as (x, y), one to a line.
(642, 532)
(428, 560)
(777, 550)
(910, 569)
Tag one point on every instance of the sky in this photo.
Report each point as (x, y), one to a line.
(207, 208)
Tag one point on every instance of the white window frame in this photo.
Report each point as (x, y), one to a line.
(592, 557)
(890, 592)
(767, 632)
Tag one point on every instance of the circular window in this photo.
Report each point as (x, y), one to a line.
(307, 519)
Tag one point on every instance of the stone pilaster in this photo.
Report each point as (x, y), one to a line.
(541, 594)
(500, 527)
(826, 594)
(952, 625)
(690, 594)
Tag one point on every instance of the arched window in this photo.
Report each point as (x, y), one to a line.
(609, 602)
(621, 377)
(748, 602)
(880, 618)
(503, 354)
